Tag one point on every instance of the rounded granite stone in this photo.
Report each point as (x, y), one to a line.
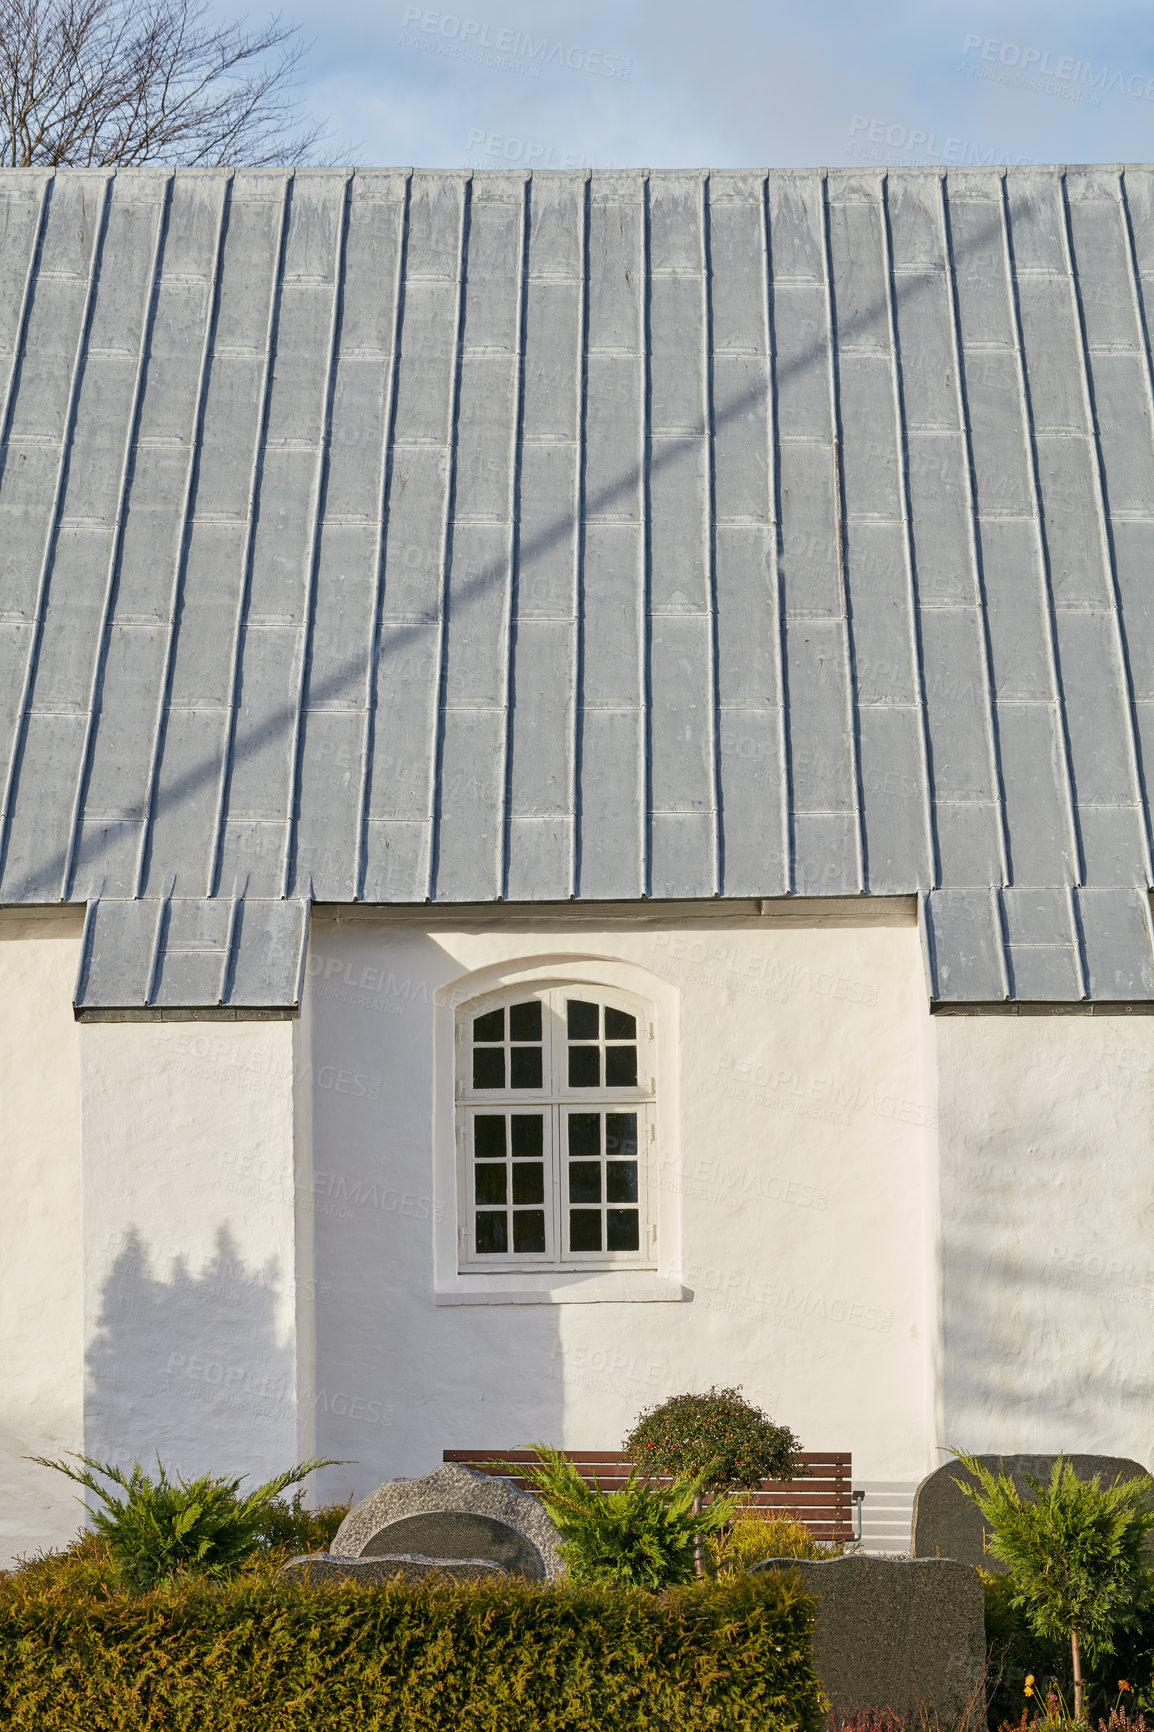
(531, 1547)
(457, 1534)
(948, 1524)
(320, 1569)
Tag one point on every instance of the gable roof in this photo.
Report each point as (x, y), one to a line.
(389, 536)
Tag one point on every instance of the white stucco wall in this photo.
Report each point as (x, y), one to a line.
(1047, 1158)
(795, 1160)
(41, 1304)
(190, 1276)
(235, 1242)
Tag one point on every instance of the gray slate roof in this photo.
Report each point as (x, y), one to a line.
(389, 536)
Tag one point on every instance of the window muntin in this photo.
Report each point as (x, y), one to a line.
(602, 1045)
(602, 1204)
(508, 1174)
(555, 1099)
(507, 1048)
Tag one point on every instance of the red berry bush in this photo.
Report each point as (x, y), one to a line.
(719, 1438)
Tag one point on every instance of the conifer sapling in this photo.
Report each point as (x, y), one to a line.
(1075, 1551)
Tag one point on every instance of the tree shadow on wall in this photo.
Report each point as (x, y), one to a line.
(1044, 1348)
(190, 1364)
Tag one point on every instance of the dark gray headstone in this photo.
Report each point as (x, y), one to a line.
(948, 1524)
(455, 1513)
(323, 1568)
(902, 1633)
(458, 1534)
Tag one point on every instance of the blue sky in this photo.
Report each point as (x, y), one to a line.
(662, 85)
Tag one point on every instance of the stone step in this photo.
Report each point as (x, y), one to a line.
(887, 1514)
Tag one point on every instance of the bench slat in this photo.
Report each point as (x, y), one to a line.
(807, 1457)
(819, 1497)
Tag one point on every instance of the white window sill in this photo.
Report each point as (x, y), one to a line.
(605, 1288)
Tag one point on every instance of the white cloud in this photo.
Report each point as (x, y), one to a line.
(732, 83)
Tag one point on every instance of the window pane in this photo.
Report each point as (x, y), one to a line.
(583, 1020)
(489, 1180)
(488, 1067)
(620, 1182)
(525, 1067)
(585, 1182)
(619, 1026)
(529, 1230)
(584, 1136)
(621, 1230)
(584, 1067)
(527, 1136)
(491, 1026)
(492, 1233)
(529, 1182)
(621, 1133)
(620, 1067)
(489, 1137)
(584, 1229)
(525, 1021)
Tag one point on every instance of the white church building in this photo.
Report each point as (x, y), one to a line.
(574, 815)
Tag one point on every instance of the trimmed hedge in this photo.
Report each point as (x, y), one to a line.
(493, 1657)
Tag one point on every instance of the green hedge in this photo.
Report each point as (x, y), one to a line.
(267, 1657)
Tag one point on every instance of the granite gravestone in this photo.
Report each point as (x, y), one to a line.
(454, 1513)
(899, 1633)
(323, 1569)
(458, 1534)
(948, 1524)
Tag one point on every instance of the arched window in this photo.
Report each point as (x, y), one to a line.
(555, 1126)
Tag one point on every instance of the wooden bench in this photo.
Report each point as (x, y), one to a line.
(819, 1497)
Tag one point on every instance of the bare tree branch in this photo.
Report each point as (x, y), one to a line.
(104, 82)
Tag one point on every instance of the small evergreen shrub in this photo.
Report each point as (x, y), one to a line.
(1015, 1653)
(161, 1527)
(749, 1540)
(643, 1536)
(1075, 1551)
(84, 1567)
(718, 1438)
(286, 1526)
(277, 1656)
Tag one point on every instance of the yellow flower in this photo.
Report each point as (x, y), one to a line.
(1030, 1684)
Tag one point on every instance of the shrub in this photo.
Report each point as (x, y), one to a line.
(1016, 1652)
(730, 1656)
(286, 1526)
(748, 1540)
(83, 1567)
(642, 1536)
(161, 1526)
(1075, 1554)
(718, 1438)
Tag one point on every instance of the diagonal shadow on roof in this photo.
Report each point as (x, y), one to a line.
(350, 676)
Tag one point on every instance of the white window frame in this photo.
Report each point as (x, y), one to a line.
(556, 1099)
